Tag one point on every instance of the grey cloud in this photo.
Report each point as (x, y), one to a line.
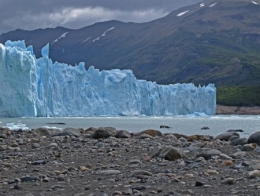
(32, 14)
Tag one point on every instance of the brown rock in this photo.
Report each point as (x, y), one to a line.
(151, 132)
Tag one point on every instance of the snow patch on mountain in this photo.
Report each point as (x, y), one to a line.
(85, 40)
(103, 34)
(212, 5)
(61, 37)
(182, 13)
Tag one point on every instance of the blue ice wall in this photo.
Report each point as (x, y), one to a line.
(38, 87)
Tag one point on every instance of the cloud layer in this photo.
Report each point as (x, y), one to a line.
(31, 14)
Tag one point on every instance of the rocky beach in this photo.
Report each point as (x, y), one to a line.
(104, 161)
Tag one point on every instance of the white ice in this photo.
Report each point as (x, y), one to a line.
(34, 87)
(254, 3)
(59, 38)
(202, 4)
(182, 13)
(212, 5)
(103, 34)
(17, 126)
(85, 40)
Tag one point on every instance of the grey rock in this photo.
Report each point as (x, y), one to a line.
(257, 150)
(254, 138)
(29, 178)
(109, 172)
(248, 147)
(128, 192)
(71, 132)
(239, 154)
(213, 152)
(3, 147)
(152, 132)
(16, 149)
(135, 161)
(39, 162)
(169, 153)
(140, 172)
(35, 145)
(239, 141)
(42, 131)
(227, 136)
(53, 146)
(104, 132)
(254, 174)
(144, 136)
(235, 130)
(228, 181)
(123, 134)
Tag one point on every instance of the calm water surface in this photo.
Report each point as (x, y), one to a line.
(179, 124)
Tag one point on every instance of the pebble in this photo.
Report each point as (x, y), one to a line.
(109, 172)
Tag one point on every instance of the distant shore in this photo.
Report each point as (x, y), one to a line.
(221, 109)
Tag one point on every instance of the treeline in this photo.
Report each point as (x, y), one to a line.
(238, 95)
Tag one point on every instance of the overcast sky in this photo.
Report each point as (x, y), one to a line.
(33, 14)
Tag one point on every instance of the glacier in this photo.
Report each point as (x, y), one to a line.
(39, 87)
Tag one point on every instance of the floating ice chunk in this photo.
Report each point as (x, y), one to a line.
(202, 4)
(62, 36)
(254, 3)
(52, 128)
(182, 13)
(212, 5)
(17, 126)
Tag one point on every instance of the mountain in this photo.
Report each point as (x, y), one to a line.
(215, 41)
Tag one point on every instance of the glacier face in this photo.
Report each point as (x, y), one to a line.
(38, 87)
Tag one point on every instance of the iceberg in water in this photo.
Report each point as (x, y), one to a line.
(38, 87)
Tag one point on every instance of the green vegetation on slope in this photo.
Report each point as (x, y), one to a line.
(238, 95)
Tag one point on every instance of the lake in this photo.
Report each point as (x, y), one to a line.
(179, 124)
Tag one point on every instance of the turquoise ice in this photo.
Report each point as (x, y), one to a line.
(32, 87)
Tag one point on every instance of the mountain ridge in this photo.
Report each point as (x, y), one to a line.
(209, 42)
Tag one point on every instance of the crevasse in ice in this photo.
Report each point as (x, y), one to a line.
(34, 87)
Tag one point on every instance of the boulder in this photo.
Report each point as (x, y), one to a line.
(169, 153)
(71, 132)
(104, 132)
(227, 136)
(254, 138)
(248, 147)
(178, 135)
(239, 141)
(42, 131)
(151, 132)
(198, 138)
(123, 134)
(213, 152)
(235, 130)
(254, 174)
(164, 127)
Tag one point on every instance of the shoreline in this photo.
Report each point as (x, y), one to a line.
(227, 110)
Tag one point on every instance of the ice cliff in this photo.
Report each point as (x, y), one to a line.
(38, 87)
